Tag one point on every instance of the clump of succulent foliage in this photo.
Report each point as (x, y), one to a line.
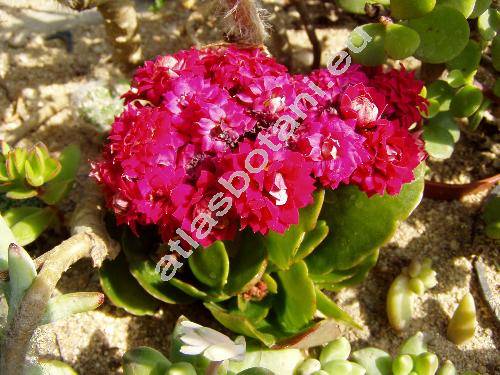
(313, 219)
(23, 280)
(459, 35)
(413, 281)
(99, 104)
(32, 183)
(208, 352)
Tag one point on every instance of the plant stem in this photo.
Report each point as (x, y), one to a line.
(243, 21)
(120, 21)
(311, 32)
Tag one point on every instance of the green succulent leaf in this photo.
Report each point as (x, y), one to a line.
(400, 41)
(248, 263)
(366, 44)
(480, 7)
(360, 225)
(358, 6)
(282, 248)
(495, 53)
(488, 23)
(239, 324)
(361, 271)
(332, 310)
(52, 367)
(21, 192)
(123, 290)
(478, 116)
(444, 33)
(456, 78)
(255, 311)
(145, 361)
(272, 285)
(65, 305)
(468, 60)
(467, 101)
(143, 270)
(440, 135)
(62, 183)
(414, 345)
(6, 238)
(28, 228)
(491, 215)
(375, 361)
(343, 367)
(295, 310)
(406, 9)
(312, 239)
(22, 273)
(211, 265)
(442, 92)
(463, 6)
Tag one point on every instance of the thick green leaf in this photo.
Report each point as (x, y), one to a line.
(312, 239)
(480, 7)
(247, 264)
(332, 310)
(282, 361)
(468, 60)
(400, 41)
(17, 214)
(444, 33)
(50, 367)
(255, 311)
(144, 361)
(366, 44)
(375, 361)
(406, 9)
(123, 290)
(6, 238)
(442, 92)
(488, 24)
(495, 53)
(30, 227)
(358, 6)
(296, 299)
(65, 305)
(239, 324)
(58, 187)
(143, 270)
(440, 135)
(463, 6)
(21, 192)
(360, 225)
(282, 248)
(211, 265)
(477, 117)
(22, 272)
(467, 101)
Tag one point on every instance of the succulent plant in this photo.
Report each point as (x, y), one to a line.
(413, 281)
(436, 32)
(491, 214)
(335, 358)
(23, 280)
(29, 174)
(269, 287)
(463, 323)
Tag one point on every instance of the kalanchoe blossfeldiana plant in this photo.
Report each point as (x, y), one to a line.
(24, 280)
(254, 190)
(33, 181)
(335, 358)
(413, 281)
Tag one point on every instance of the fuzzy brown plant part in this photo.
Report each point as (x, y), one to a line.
(89, 239)
(243, 21)
(120, 21)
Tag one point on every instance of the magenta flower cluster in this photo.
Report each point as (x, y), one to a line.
(193, 117)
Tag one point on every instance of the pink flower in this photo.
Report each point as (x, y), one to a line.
(402, 93)
(275, 194)
(362, 103)
(333, 146)
(394, 154)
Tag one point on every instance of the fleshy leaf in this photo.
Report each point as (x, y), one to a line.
(366, 44)
(463, 6)
(360, 225)
(332, 310)
(123, 290)
(282, 361)
(21, 192)
(144, 361)
(467, 101)
(239, 324)
(375, 361)
(65, 305)
(400, 41)
(22, 272)
(30, 227)
(480, 7)
(210, 265)
(312, 239)
(440, 135)
(488, 23)
(295, 310)
(6, 238)
(444, 33)
(406, 9)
